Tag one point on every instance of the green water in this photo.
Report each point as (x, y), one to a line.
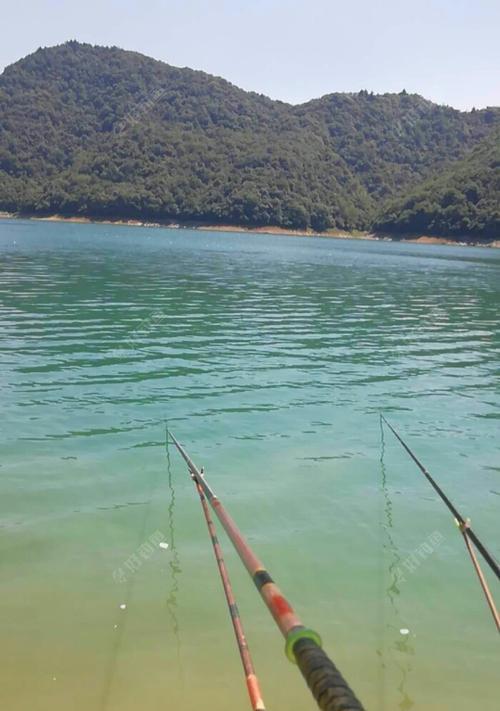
(271, 358)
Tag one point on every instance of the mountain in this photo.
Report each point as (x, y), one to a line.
(461, 200)
(104, 132)
(392, 141)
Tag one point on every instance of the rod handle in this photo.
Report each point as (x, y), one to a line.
(328, 686)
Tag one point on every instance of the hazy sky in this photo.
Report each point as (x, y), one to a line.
(446, 50)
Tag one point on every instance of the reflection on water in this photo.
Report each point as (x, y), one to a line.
(274, 357)
(127, 583)
(405, 648)
(118, 636)
(399, 648)
(174, 563)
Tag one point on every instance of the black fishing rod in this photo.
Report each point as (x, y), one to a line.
(464, 526)
(461, 520)
(303, 646)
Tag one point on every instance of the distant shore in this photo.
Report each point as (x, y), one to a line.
(337, 234)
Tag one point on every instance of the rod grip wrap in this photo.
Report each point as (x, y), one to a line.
(328, 686)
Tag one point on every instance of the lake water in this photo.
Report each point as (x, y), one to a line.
(271, 358)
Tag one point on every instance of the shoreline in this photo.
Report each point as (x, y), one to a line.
(270, 230)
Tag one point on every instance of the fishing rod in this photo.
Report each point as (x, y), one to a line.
(464, 526)
(302, 645)
(252, 681)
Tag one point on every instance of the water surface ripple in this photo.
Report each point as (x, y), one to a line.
(271, 358)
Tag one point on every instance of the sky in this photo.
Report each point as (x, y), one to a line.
(293, 50)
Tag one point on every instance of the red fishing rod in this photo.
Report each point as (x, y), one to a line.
(252, 681)
(302, 645)
(465, 529)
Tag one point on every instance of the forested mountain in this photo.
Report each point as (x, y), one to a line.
(391, 141)
(104, 132)
(462, 200)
